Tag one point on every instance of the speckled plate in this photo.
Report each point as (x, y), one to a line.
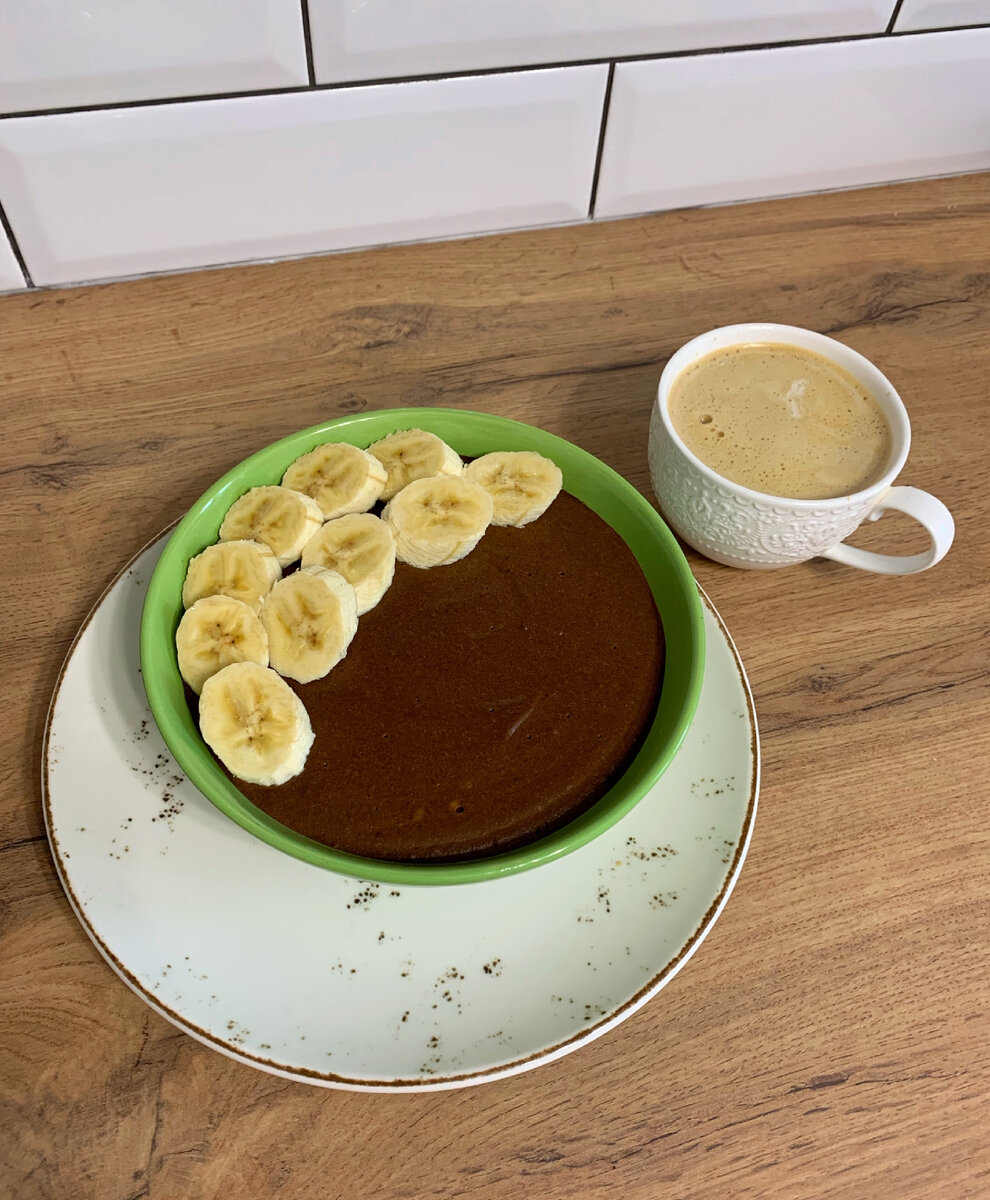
(344, 983)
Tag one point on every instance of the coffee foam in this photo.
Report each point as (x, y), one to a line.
(781, 420)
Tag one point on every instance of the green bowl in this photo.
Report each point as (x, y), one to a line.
(471, 434)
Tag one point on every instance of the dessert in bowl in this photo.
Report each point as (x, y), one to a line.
(490, 714)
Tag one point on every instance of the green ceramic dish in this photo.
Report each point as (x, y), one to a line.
(471, 434)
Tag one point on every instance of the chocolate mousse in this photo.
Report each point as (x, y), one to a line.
(484, 703)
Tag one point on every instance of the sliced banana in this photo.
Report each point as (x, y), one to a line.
(215, 632)
(341, 478)
(311, 617)
(359, 546)
(255, 724)
(410, 454)
(242, 570)
(521, 483)
(437, 521)
(278, 517)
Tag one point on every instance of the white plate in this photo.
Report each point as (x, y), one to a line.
(344, 983)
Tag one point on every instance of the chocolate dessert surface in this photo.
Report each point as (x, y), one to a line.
(484, 703)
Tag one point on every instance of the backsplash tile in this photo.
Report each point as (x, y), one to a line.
(942, 14)
(422, 37)
(65, 53)
(717, 128)
(104, 194)
(11, 276)
(211, 132)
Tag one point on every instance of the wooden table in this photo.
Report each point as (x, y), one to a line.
(830, 1037)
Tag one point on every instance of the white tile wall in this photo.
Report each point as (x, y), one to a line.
(61, 53)
(420, 37)
(715, 128)
(11, 276)
(102, 194)
(939, 14)
(127, 190)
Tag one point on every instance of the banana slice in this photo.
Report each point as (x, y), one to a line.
(340, 478)
(438, 520)
(255, 724)
(215, 632)
(280, 518)
(311, 617)
(359, 546)
(244, 571)
(521, 483)
(410, 454)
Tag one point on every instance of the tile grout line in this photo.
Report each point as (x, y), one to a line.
(524, 68)
(893, 17)
(308, 42)
(606, 103)
(7, 228)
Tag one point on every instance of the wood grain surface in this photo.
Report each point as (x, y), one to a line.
(830, 1038)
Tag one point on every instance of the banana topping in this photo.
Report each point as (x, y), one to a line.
(410, 454)
(247, 628)
(310, 617)
(280, 518)
(215, 632)
(340, 478)
(243, 570)
(521, 483)
(359, 546)
(255, 724)
(437, 521)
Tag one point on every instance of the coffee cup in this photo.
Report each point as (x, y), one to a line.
(746, 526)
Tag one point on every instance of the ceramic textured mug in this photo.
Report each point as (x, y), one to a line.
(740, 527)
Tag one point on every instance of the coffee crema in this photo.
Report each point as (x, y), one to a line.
(781, 420)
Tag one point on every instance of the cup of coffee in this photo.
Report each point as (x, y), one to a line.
(770, 444)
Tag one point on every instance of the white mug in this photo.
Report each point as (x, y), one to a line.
(744, 528)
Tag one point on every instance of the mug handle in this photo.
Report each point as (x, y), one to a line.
(925, 509)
